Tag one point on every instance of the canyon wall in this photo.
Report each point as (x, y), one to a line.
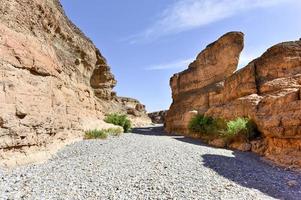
(158, 117)
(54, 82)
(267, 91)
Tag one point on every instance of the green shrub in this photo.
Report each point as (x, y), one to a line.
(115, 131)
(120, 120)
(103, 134)
(201, 124)
(241, 127)
(237, 126)
(211, 128)
(96, 134)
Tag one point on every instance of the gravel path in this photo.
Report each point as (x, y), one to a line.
(149, 165)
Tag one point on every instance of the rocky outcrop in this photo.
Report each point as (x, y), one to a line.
(54, 82)
(191, 88)
(158, 117)
(135, 111)
(267, 90)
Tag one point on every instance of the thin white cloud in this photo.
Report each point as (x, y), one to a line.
(180, 64)
(247, 56)
(244, 59)
(186, 15)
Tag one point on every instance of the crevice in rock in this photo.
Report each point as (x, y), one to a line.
(36, 73)
(21, 115)
(32, 71)
(257, 81)
(19, 59)
(11, 148)
(1, 122)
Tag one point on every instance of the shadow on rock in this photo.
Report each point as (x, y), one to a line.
(250, 171)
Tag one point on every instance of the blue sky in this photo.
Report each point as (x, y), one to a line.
(146, 41)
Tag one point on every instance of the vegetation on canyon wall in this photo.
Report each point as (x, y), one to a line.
(267, 91)
(210, 128)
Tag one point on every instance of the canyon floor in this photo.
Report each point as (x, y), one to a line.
(147, 164)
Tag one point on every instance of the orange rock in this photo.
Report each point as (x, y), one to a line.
(218, 143)
(267, 90)
(241, 146)
(193, 88)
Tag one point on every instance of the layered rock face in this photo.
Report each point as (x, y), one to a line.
(54, 83)
(267, 90)
(158, 117)
(191, 88)
(135, 111)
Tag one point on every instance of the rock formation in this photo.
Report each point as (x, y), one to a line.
(54, 82)
(267, 90)
(158, 117)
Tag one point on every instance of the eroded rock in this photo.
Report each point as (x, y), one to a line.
(203, 80)
(54, 82)
(267, 90)
(220, 143)
(158, 117)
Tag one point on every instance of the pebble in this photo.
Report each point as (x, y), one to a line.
(149, 165)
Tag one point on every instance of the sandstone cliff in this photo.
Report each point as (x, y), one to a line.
(267, 90)
(54, 83)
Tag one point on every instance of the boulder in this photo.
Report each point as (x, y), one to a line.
(220, 143)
